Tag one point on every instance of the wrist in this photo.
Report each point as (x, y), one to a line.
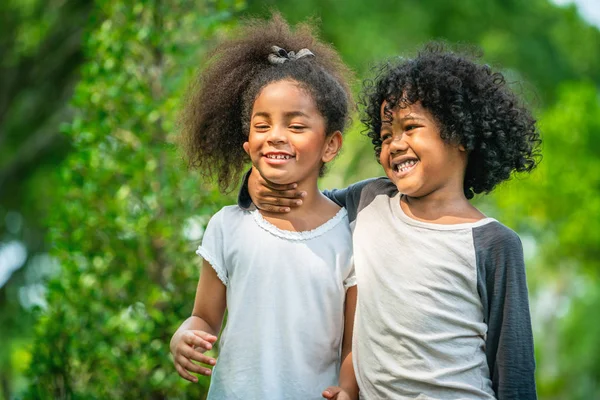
(350, 390)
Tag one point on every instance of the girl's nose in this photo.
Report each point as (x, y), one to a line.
(277, 135)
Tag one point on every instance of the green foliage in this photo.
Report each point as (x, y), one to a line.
(130, 215)
(559, 206)
(125, 215)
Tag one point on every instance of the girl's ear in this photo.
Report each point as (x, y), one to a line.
(461, 147)
(246, 147)
(333, 145)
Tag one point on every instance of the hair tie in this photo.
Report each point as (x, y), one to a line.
(280, 56)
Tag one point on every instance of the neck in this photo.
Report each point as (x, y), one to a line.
(445, 205)
(310, 203)
(316, 209)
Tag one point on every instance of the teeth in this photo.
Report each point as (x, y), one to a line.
(405, 166)
(279, 156)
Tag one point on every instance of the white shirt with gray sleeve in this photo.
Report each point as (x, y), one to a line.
(442, 310)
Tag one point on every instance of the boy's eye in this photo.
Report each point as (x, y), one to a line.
(386, 137)
(411, 127)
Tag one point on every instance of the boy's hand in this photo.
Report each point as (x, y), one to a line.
(336, 393)
(190, 345)
(268, 196)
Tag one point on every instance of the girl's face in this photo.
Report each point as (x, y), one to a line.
(287, 141)
(415, 157)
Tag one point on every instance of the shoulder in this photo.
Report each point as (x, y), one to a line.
(498, 250)
(495, 236)
(363, 193)
(228, 215)
(375, 186)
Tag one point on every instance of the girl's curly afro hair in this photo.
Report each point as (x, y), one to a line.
(216, 116)
(472, 105)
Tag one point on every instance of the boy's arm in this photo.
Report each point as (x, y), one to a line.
(267, 196)
(503, 289)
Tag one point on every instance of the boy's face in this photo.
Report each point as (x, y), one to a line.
(415, 157)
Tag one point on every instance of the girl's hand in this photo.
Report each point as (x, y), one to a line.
(189, 346)
(268, 196)
(336, 393)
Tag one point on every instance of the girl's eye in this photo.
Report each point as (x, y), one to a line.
(296, 127)
(261, 127)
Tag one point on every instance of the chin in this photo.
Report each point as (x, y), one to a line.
(277, 177)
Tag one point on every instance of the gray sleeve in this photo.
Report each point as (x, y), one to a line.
(502, 286)
(348, 196)
(357, 196)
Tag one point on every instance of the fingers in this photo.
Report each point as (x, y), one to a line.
(285, 194)
(191, 367)
(206, 336)
(197, 356)
(331, 392)
(199, 339)
(184, 374)
(277, 204)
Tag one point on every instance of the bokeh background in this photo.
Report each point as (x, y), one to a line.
(99, 216)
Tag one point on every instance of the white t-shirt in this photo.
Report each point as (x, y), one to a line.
(285, 302)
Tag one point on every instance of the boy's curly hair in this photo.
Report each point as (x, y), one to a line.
(472, 105)
(216, 115)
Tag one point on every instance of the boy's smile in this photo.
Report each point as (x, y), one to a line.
(415, 157)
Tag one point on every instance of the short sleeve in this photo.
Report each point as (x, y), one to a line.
(351, 278)
(212, 247)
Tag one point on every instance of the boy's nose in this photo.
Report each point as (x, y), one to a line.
(398, 144)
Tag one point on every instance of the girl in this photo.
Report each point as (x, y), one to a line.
(280, 99)
(443, 311)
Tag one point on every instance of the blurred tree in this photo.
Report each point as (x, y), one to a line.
(125, 216)
(130, 214)
(40, 52)
(559, 206)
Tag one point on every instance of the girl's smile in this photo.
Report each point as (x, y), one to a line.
(278, 158)
(287, 140)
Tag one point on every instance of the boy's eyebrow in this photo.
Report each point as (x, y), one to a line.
(410, 117)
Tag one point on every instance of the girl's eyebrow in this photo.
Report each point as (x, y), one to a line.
(291, 114)
(261, 114)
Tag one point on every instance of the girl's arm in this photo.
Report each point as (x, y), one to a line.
(198, 333)
(348, 388)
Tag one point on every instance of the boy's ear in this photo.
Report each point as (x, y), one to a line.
(246, 147)
(333, 145)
